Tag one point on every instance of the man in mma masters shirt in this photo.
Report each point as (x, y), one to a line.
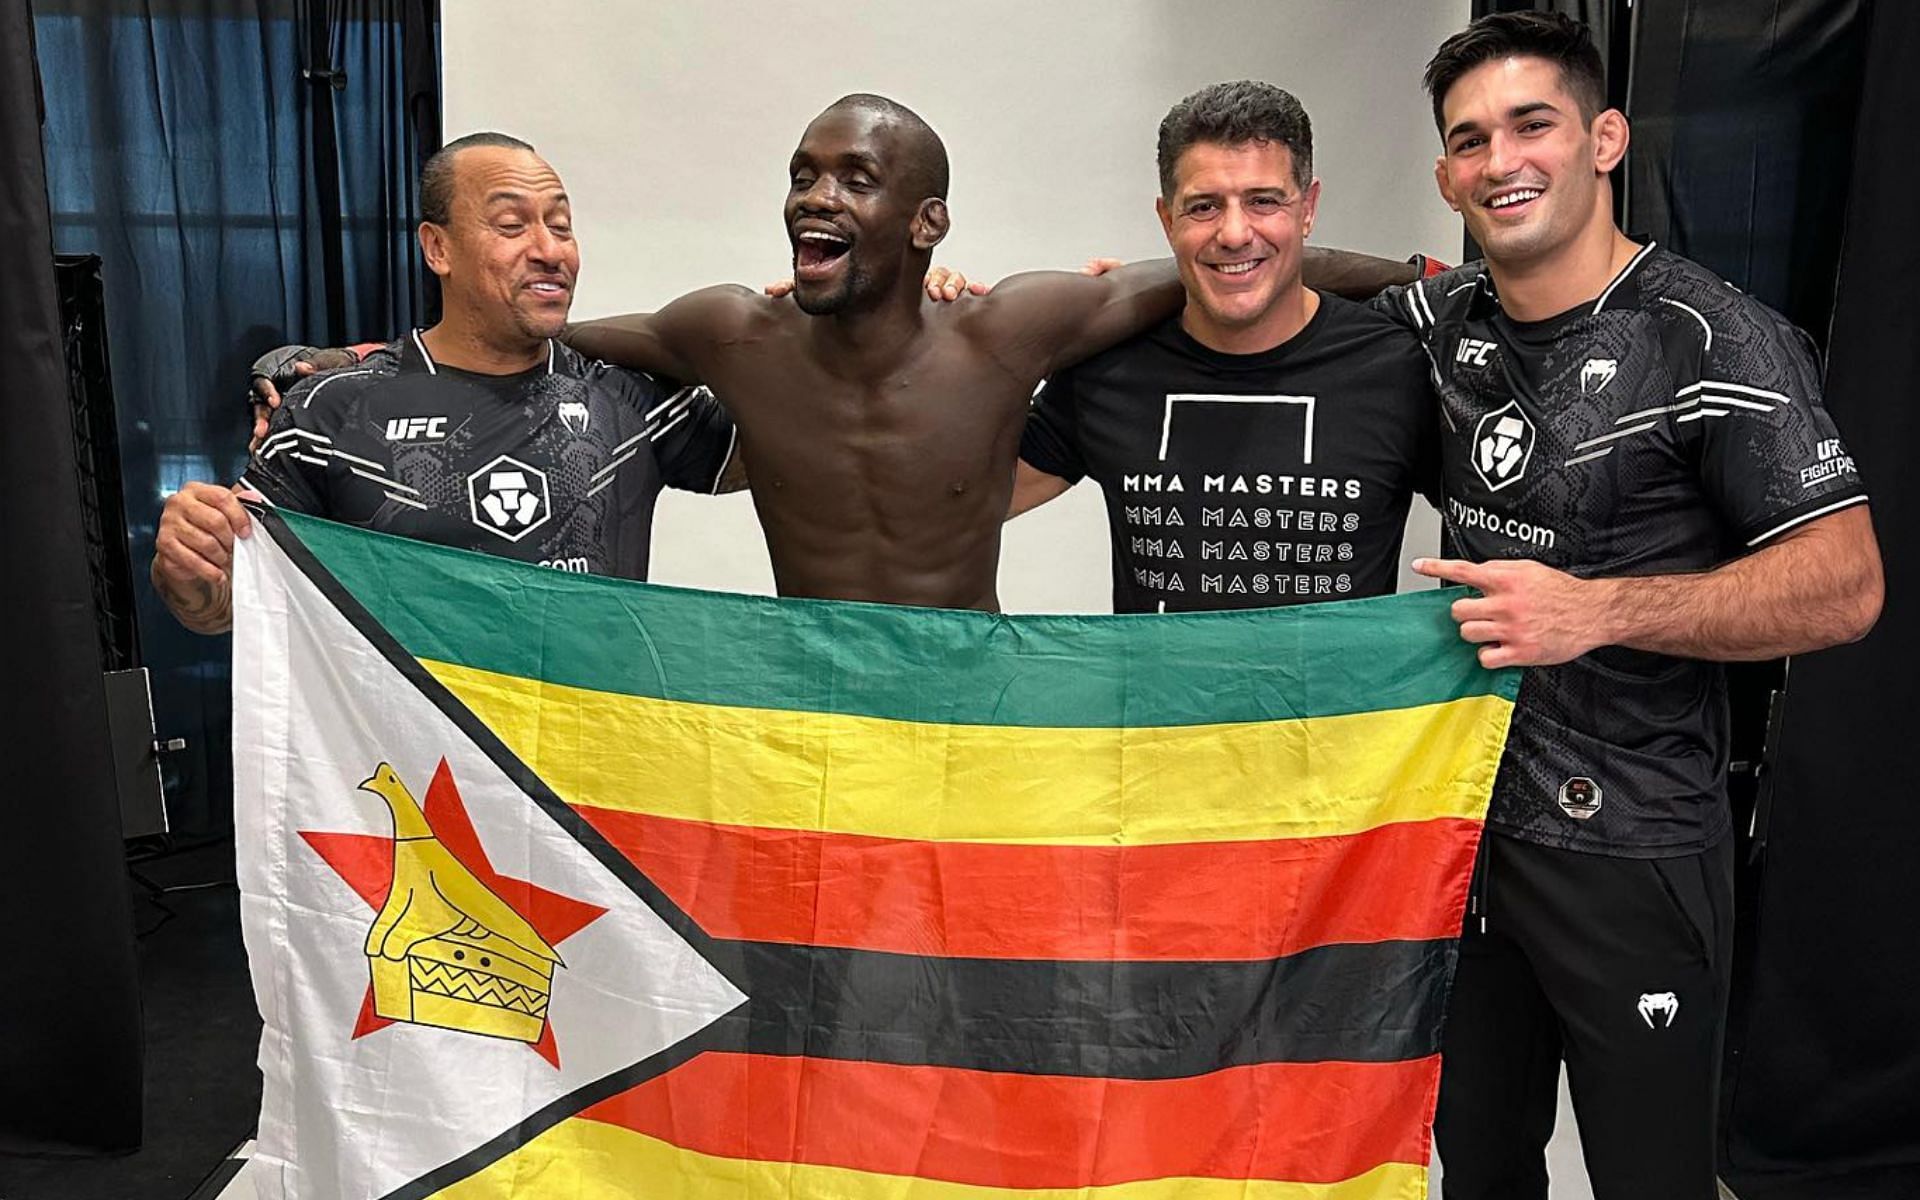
(1262, 447)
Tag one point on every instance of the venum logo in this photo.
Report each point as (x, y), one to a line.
(1502, 444)
(1665, 1005)
(573, 414)
(1473, 351)
(1597, 374)
(509, 498)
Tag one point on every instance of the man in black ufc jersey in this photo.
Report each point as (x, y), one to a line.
(483, 432)
(1260, 448)
(1640, 481)
(558, 465)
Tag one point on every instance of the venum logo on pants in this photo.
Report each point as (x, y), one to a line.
(1665, 1005)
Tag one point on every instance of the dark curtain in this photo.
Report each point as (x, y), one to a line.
(69, 1012)
(1742, 135)
(1743, 120)
(1826, 1102)
(245, 170)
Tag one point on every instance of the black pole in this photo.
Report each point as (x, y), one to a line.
(70, 1053)
(323, 78)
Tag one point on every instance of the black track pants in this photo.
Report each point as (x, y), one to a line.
(1617, 965)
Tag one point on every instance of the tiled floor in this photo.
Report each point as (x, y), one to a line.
(1563, 1164)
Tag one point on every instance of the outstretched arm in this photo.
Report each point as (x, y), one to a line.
(1044, 320)
(678, 340)
(1814, 587)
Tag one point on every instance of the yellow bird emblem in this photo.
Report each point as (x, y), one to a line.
(445, 950)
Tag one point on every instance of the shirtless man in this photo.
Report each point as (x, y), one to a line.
(879, 427)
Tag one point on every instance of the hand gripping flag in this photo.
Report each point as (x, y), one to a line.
(559, 886)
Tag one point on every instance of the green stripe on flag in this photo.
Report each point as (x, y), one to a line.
(877, 660)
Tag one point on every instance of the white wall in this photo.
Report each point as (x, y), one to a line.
(672, 124)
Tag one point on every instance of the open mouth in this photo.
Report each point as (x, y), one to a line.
(548, 289)
(1235, 270)
(1513, 200)
(816, 253)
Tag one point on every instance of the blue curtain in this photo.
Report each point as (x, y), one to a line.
(246, 172)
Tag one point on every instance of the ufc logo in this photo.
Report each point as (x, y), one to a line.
(407, 429)
(1474, 351)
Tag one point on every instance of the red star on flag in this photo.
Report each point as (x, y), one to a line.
(365, 862)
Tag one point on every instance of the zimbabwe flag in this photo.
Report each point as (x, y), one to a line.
(558, 886)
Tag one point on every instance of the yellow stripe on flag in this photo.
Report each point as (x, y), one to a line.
(591, 1160)
(825, 772)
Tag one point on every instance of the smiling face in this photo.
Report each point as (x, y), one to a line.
(1521, 165)
(1237, 221)
(855, 217)
(506, 257)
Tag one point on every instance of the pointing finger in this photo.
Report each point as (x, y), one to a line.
(1451, 570)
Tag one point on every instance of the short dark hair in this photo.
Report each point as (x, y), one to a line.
(436, 176)
(1233, 114)
(927, 154)
(1556, 37)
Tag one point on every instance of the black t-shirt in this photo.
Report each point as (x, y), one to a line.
(1667, 426)
(559, 465)
(1247, 480)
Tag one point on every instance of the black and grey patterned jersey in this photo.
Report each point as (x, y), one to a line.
(1668, 426)
(559, 465)
(1247, 480)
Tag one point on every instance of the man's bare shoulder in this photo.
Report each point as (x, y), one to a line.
(725, 309)
(1041, 287)
(1016, 301)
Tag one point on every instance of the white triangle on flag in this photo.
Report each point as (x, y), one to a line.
(317, 707)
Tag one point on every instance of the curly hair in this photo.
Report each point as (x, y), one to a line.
(1233, 114)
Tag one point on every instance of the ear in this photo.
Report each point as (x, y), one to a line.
(1166, 217)
(931, 223)
(1610, 139)
(1309, 207)
(433, 247)
(1443, 183)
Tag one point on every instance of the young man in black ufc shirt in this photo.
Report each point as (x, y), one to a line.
(1641, 481)
(1262, 447)
(482, 432)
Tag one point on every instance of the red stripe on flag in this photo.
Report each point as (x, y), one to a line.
(1191, 902)
(1304, 1122)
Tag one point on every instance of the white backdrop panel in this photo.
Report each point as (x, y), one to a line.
(672, 124)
